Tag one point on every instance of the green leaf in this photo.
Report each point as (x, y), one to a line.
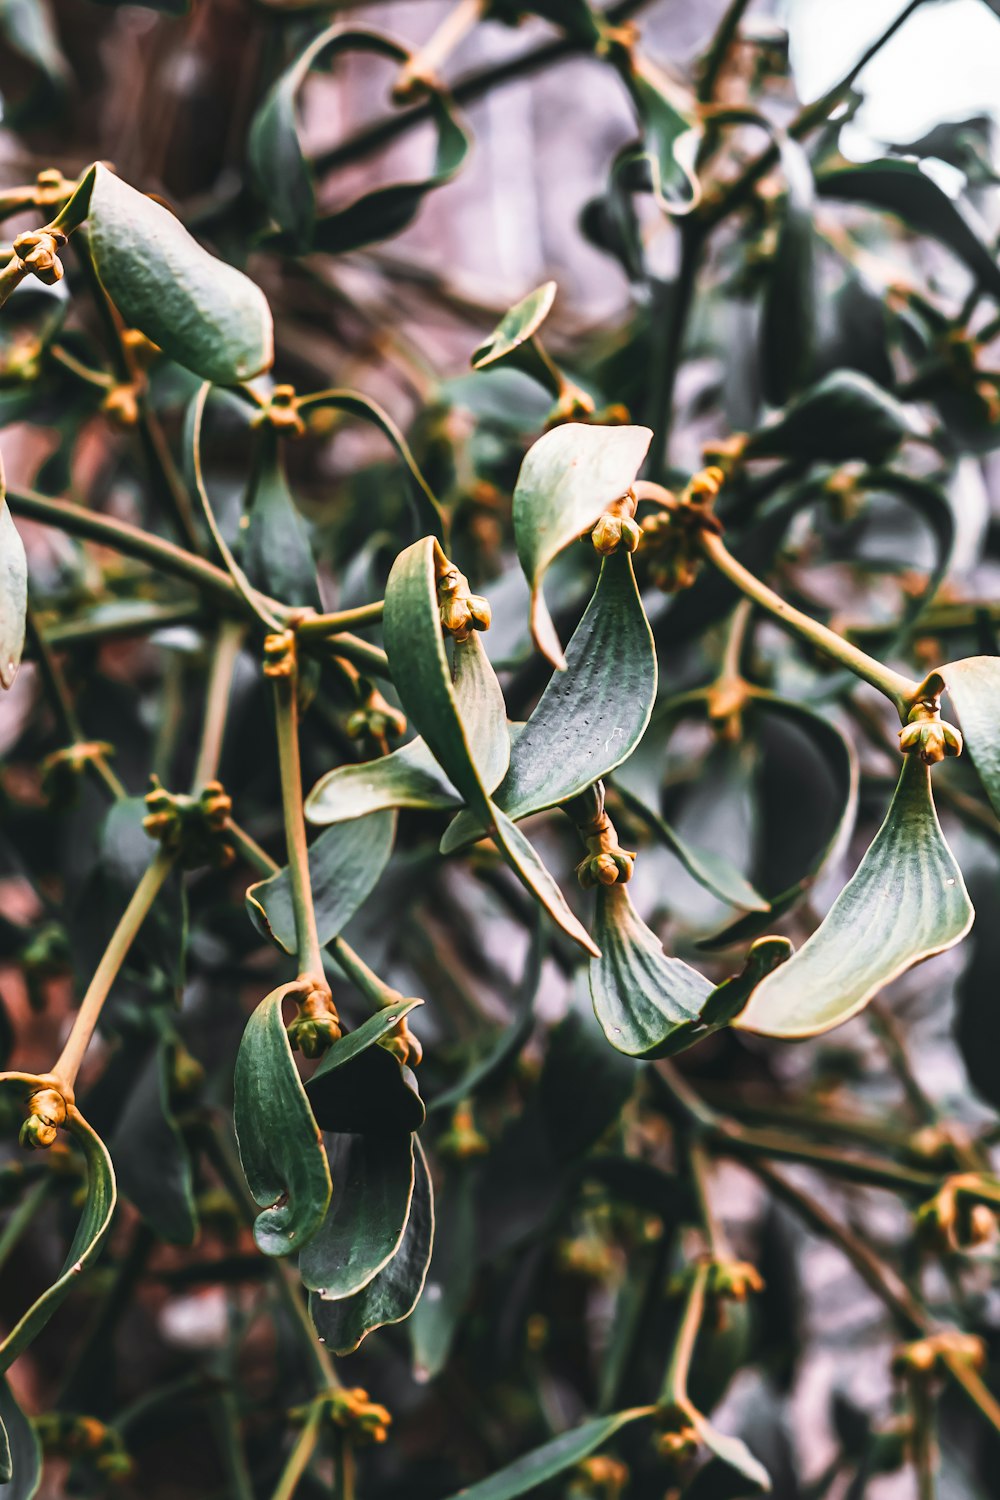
(729, 998)
(393, 1294)
(844, 416)
(372, 1178)
(279, 1141)
(408, 777)
(345, 863)
(284, 178)
(788, 321)
(906, 189)
(578, 1066)
(731, 1451)
(567, 480)
(645, 1001)
(29, 27)
(13, 596)
(362, 1089)
(906, 902)
(20, 1450)
(552, 1458)
(974, 688)
(462, 746)
(518, 324)
(450, 1276)
(91, 1232)
(670, 140)
(275, 550)
(202, 313)
(590, 717)
(150, 1154)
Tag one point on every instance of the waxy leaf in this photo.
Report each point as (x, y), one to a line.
(279, 1141)
(275, 550)
(415, 645)
(13, 596)
(905, 188)
(20, 1450)
(671, 142)
(518, 324)
(202, 313)
(91, 1232)
(372, 1178)
(844, 416)
(731, 1451)
(974, 688)
(345, 863)
(590, 717)
(646, 1002)
(906, 902)
(392, 1295)
(568, 479)
(362, 1089)
(150, 1155)
(408, 777)
(552, 1458)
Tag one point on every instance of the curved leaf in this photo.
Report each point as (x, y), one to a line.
(552, 1458)
(20, 1450)
(906, 902)
(670, 142)
(150, 1154)
(645, 1001)
(905, 188)
(361, 1088)
(415, 646)
(974, 688)
(275, 550)
(566, 482)
(372, 1178)
(450, 1277)
(731, 1451)
(13, 596)
(407, 777)
(204, 314)
(844, 416)
(590, 717)
(279, 1141)
(518, 324)
(91, 1232)
(393, 1294)
(345, 863)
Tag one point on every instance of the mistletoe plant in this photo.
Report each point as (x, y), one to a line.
(334, 882)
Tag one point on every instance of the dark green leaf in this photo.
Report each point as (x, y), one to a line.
(670, 141)
(645, 1001)
(450, 1276)
(150, 1155)
(518, 324)
(13, 596)
(974, 688)
(393, 1294)
(275, 550)
(552, 1458)
(590, 717)
(279, 1141)
(345, 863)
(844, 416)
(463, 747)
(567, 480)
(95, 1221)
(906, 902)
(905, 188)
(579, 1066)
(790, 300)
(20, 1451)
(372, 1178)
(28, 26)
(360, 1088)
(204, 314)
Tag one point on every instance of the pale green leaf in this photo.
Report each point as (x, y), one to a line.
(974, 688)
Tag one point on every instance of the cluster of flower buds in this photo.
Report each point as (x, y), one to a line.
(677, 1439)
(617, 527)
(403, 1045)
(280, 654)
(463, 1140)
(64, 1435)
(926, 734)
(462, 612)
(62, 769)
(316, 1025)
(953, 1219)
(46, 1112)
(282, 412)
(121, 404)
(192, 827)
(364, 1421)
(606, 862)
(375, 718)
(672, 534)
(735, 1280)
(37, 253)
(599, 1478)
(922, 1356)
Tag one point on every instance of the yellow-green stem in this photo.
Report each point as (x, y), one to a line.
(300, 1457)
(675, 1381)
(310, 954)
(343, 619)
(86, 1019)
(228, 643)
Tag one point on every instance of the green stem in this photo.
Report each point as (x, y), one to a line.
(700, 1167)
(62, 702)
(342, 619)
(228, 644)
(310, 954)
(300, 1457)
(715, 58)
(901, 691)
(674, 1391)
(671, 346)
(86, 1019)
(10, 279)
